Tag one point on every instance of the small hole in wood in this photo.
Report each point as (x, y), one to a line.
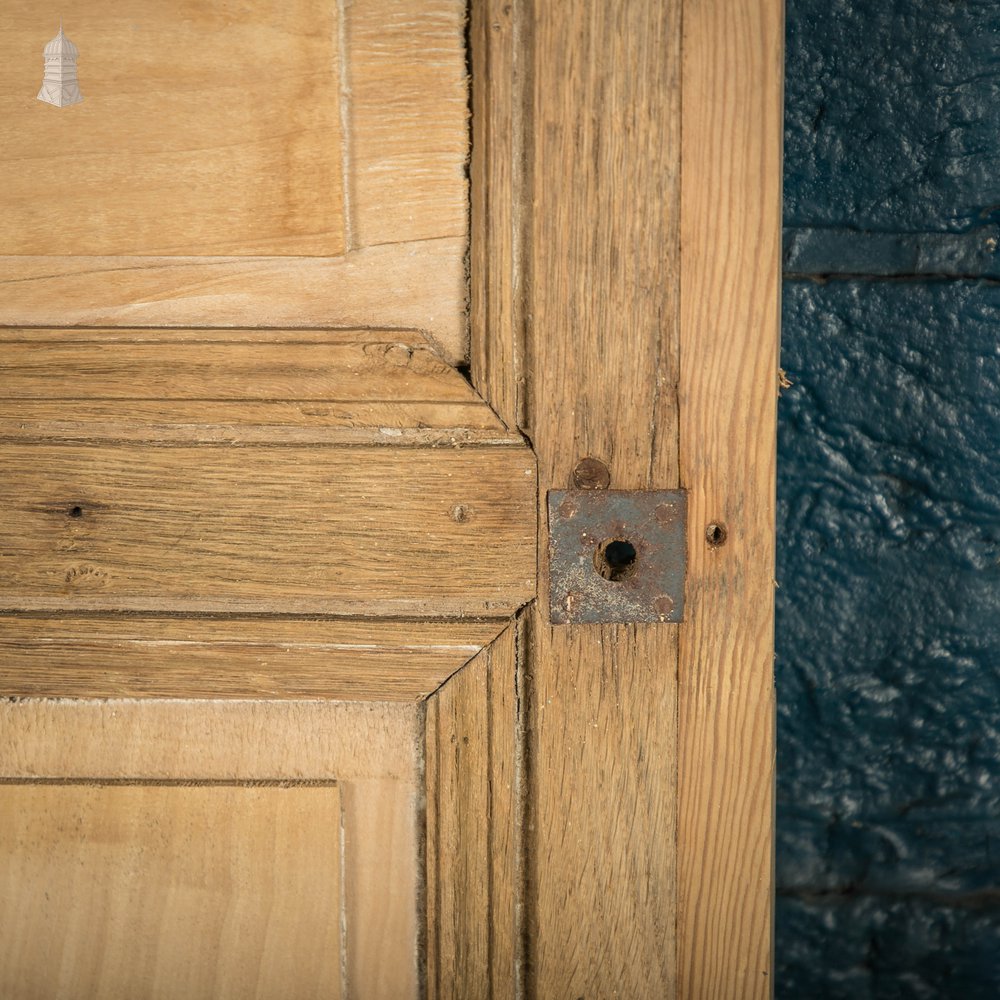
(76, 512)
(716, 534)
(460, 513)
(615, 558)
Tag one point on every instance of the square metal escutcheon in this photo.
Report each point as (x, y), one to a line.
(617, 555)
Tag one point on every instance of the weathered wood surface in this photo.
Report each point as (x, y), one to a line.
(237, 387)
(366, 523)
(170, 891)
(200, 739)
(216, 365)
(730, 234)
(297, 530)
(499, 51)
(474, 862)
(601, 359)
(286, 658)
(600, 295)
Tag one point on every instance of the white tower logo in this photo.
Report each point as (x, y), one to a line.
(59, 87)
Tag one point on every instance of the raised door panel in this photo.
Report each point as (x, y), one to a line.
(260, 164)
(203, 129)
(170, 890)
(174, 849)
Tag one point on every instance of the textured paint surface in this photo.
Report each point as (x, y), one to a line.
(888, 612)
(888, 624)
(892, 111)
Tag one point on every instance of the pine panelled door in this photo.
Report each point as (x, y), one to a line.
(307, 311)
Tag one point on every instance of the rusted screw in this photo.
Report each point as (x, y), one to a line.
(665, 513)
(663, 605)
(591, 474)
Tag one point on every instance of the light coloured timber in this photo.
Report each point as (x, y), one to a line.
(730, 271)
(202, 130)
(163, 739)
(299, 129)
(599, 269)
(294, 164)
(195, 748)
(381, 887)
(343, 531)
(167, 891)
(474, 859)
(406, 104)
(284, 658)
(408, 286)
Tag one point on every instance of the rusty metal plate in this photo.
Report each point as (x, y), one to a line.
(617, 555)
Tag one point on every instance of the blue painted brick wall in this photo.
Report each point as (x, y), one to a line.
(888, 612)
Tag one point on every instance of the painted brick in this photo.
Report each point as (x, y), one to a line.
(898, 949)
(892, 118)
(888, 617)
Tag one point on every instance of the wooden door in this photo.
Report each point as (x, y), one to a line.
(286, 385)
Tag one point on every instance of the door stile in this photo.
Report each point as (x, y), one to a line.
(730, 294)
(622, 312)
(591, 127)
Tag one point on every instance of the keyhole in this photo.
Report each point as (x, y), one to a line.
(615, 558)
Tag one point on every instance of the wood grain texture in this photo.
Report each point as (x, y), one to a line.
(300, 163)
(377, 531)
(407, 286)
(202, 130)
(499, 52)
(730, 232)
(294, 365)
(474, 861)
(232, 657)
(237, 387)
(599, 273)
(372, 750)
(163, 739)
(403, 424)
(381, 887)
(169, 892)
(406, 101)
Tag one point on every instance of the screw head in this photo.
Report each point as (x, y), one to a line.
(591, 474)
(663, 605)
